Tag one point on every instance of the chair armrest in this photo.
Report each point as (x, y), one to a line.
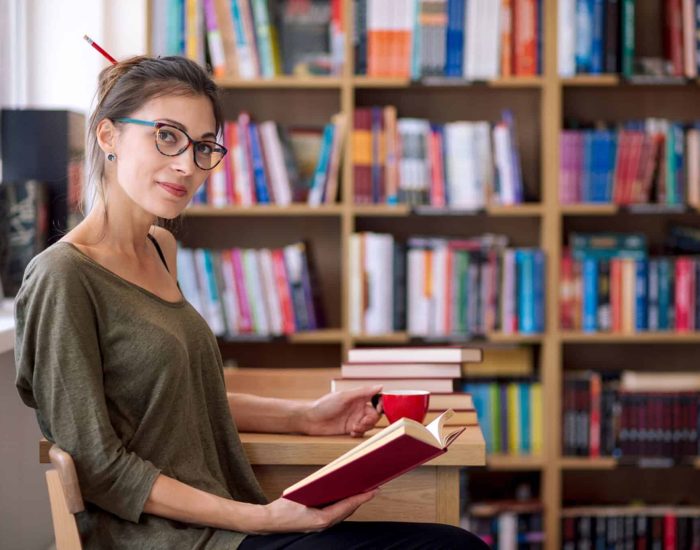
(64, 465)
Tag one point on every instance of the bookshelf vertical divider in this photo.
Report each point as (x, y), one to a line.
(347, 106)
(550, 241)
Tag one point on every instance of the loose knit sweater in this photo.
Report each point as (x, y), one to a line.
(131, 385)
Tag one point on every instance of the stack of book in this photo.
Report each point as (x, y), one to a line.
(248, 292)
(472, 40)
(266, 164)
(250, 39)
(458, 165)
(436, 287)
(650, 414)
(630, 527)
(433, 369)
(653, 161)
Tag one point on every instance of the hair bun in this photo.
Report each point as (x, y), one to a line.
(109, 76)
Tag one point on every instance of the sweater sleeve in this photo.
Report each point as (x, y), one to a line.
(59, 373)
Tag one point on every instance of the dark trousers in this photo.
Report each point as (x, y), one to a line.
(371, 535)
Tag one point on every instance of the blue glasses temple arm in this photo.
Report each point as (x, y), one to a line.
(136, 121)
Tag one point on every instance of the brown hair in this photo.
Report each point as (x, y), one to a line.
(125, 87)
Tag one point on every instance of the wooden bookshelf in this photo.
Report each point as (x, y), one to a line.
(540, 105)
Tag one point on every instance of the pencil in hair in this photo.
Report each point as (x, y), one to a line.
(99, 49)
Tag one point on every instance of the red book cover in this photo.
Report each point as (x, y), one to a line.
(683, 293)
(229, 127)
(246, 323)
(282, 283)
(524, 37)
(397, 449)
(594, 434)
(670, 531)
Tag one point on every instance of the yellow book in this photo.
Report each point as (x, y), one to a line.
(536, 417)
(513, 422)
(501, 361)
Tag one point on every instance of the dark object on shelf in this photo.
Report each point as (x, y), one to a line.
(48, 146)
(23, 229)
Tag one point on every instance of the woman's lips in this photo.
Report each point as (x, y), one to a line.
(176, 190)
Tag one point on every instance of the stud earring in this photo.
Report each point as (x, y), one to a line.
(111, 157)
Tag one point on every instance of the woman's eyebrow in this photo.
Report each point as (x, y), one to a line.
(183, 127)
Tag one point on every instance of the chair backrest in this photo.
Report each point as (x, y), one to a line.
(65, 499)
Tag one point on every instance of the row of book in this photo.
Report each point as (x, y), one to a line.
(441, 287)
(250, 39)
(608, 283)
(466, 39)
(507, 524)
(596, 36)
(632, 414)
(650, 161)
(263, 292)
(268, 164)
(462, 165)
(631, 527)
(510, 414)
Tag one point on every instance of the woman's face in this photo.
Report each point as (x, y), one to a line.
(151, 179)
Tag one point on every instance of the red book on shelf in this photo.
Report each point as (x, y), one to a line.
(397, 449)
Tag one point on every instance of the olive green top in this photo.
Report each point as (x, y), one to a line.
(131, 385)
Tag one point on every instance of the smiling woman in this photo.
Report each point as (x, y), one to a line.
(127, 377)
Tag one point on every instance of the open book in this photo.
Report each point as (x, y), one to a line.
(396, 449)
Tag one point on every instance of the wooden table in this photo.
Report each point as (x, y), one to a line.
(429, 493)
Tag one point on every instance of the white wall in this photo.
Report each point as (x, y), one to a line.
(62, 67)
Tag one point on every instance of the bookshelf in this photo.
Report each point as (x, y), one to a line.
(540, 105)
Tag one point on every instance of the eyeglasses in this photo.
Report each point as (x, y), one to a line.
(172, 141)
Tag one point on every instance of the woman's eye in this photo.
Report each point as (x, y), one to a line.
(204, 149)
(166, 136)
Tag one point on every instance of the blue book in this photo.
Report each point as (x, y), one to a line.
(666, 270)
(259, 177)
(454, 38)
(318, 183)
(525, 435)
(640, 295)
(597, 33)
(590, 294)
(524, 267)
(584, 35)
(586, 186)
(539, 295)
(481, 406)
(610, 167)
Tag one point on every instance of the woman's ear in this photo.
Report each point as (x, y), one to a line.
(106, 135)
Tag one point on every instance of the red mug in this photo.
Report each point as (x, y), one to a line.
(412, 404)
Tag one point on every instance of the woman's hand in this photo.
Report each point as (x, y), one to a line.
(344, 412)
(286, 516)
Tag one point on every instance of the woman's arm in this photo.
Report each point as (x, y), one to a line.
(346, 412)
(173, 499)
(253, 413)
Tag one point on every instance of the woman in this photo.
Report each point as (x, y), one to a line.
(127, 377)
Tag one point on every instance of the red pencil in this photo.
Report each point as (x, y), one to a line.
(99, 49)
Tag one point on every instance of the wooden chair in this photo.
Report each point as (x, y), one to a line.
(65, 499)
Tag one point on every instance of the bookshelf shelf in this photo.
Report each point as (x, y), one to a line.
(280, 82)
(585, 463)
(387, 210)
(264, 210)
(635, 338)
(591, 80)
(588, 209)
(368, 82)
(392, 338)
(323, 336)
(503, 338)
(403, 337)
(514, 462)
